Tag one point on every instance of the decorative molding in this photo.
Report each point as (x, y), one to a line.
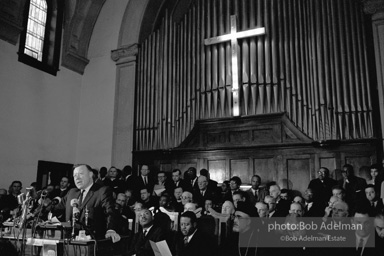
(77, 33)
(373, 6)
(11, 20)
(125, 51)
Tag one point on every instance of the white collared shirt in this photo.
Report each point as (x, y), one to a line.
(147, 229)
(365, 239)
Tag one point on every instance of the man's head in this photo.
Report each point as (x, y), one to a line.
(112, 172)
(144, 195)
(204, 172)
(138, 206)
(176, 175)
(285, 194)
(3, 192)
(242, 221)
(235, 183)
(323, 173)
(228, 208)
(361, 219)
(296, 209)
(262, 209)
(202, 182)
(308, 195)
(164, 200)
(128, 194)
(120, 199)
(188, 223)
(347, 171)
(186, 197)
(237, 197)
(271, 203)
(255, 181)
(298, 199)
(208, 204)
(379, 225)
(338, 192)
(83, 176)
(127, 170)
(190, 207)
(191, 172)
(339, 210)
(177, 192)
(161, 177)
(145, 218)
(274, 191)
(144, 171)
(370, 193)
(333, 200)
(64, 183)
(103, 172)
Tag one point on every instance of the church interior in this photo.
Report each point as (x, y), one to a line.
(274, 88)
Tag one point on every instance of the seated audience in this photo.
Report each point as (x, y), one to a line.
(322, 185)
(234, 185)
(354, 186)
(255, 193)
(203, 192)
(140, 245)
(375, 205)
(282, 206)
(192, 241)
(112, 181)
(314, 207)
(147, 200)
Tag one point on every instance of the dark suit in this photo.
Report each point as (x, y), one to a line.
(253, 199)
(201, 244)
(129, 182)
(186, 186)
(139, 184)
(282, 208)
(64, 192)
(116, 185)
(354, 190)
(208, 194)
(316, 210)
(140, 244)
(322, 189)
(100, 206)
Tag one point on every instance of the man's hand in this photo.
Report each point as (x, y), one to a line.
(112, 234)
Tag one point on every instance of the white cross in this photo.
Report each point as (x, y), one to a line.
(233, 36)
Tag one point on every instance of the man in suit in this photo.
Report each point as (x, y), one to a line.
(140, 245)
(112, 181)
(64, 186)
(97, 201)
(203, 192)
(143, 181)
(192, 178)
(256, 194)
(354, 186)
(212, 185)
(375, 204)
(129, 179)
(193, 241)
(322, 186)
(177, 181)
(314, 207)
(282, 206)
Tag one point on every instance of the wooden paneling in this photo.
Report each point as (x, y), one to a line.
(240, 167)
(361, 164)
(266, 168)
(298, 173)
(217, 170)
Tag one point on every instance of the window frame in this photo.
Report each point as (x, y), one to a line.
(52, 38)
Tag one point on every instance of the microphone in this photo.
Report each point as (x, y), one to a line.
(75, 214)
(21, 198)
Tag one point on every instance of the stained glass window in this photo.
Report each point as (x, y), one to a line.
(37, 20)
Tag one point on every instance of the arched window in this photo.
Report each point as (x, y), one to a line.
(41, 38)
(37, 20)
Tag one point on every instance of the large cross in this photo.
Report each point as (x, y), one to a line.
(233, 36)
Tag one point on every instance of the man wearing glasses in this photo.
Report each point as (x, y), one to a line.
(322, 185)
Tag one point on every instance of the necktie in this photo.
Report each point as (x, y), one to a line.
(202, 192)
(185, 240)
(81, 197)
(145, 232)
(145, 181)
(360, 248)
